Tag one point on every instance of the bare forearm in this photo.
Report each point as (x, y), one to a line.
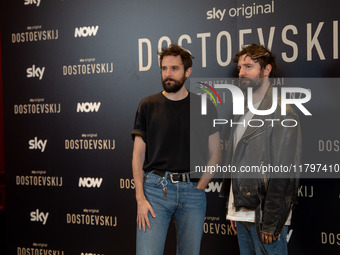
(207, 176)
(138, 177)
(215, 158)
(138, 158)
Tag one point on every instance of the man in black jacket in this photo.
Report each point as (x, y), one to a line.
(260, 202)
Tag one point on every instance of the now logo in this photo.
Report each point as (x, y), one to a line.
(214, 187)
(88, 182)
(88, 107)
(86, 31)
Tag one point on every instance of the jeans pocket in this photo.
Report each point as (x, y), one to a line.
(194, 184)
(152, 180)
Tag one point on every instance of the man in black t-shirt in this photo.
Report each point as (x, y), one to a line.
(161, 161)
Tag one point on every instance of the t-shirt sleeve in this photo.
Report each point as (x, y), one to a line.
(140, 122)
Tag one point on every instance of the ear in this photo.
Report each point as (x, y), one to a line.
(188, 72)
(267, 70)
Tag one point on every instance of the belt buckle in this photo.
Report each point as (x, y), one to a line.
(171, 178)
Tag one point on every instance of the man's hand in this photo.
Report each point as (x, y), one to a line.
(267, 238)
(143, 208)
(233, 226)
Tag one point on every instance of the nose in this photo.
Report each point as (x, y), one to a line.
(241, 73)
(167, 72)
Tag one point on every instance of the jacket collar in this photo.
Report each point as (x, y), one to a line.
(265, 105)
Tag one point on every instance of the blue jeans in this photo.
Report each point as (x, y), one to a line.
(250, 243)
(185, 203)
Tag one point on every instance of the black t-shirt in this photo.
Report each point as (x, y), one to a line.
(164, 126)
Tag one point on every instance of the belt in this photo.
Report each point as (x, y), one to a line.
(174, 177)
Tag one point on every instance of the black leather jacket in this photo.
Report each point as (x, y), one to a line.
(272, 144)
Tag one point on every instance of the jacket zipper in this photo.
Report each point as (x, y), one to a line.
(251, 138)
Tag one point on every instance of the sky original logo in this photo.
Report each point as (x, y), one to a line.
(216, 14)
(32, 2)
(88, 107)
(39, 181)
(90, 142)
(86, 31)
(38, 216)
(88, 182)
(91, 219)
(247, 11)
(35, 144)
(37, 106)
(34, 72)
(38, 249)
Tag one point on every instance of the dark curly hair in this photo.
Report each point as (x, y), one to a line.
(175, 50)
(260, 54)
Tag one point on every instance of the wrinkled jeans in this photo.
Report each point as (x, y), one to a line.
(185, 203)
(250, 243)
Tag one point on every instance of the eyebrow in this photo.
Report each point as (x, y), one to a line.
(172, 66)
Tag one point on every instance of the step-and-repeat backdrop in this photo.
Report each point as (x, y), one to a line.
(73, 75)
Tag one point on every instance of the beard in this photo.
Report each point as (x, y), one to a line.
(171, 85)
(255, 83)
(245, 83)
